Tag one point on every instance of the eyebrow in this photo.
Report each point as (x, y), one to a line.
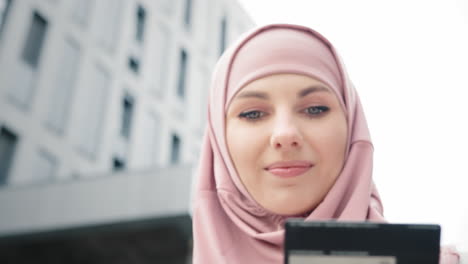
(312, 89)
(304, 92)
(253, 94)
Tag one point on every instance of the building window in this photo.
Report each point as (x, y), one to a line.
(188, 13)
(175, 153)
(5, 6)
(133, 64)
(152, 136)
(118, 164)
(81, 11)
(61, 96)
(8, 141)
(140, 24)
(93, 96)
(45, 167)
(35, 39)
(161, 57)
(127, 115)
(182, 73)
(108, 23)
(222, 43)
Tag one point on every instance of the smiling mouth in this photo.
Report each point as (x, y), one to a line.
(289, 169)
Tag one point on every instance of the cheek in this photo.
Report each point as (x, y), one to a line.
(332, 142)
(244, 145)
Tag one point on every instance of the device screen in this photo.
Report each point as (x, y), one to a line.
(335, 242)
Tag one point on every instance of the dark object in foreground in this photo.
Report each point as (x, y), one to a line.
(359, 242)
(159, 240)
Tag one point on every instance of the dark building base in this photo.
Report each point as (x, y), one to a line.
(160, 240)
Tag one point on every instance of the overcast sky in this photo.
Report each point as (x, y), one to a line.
(409, 62)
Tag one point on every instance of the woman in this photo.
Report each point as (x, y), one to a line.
(286, 137)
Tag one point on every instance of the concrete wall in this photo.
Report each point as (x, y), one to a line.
(101, 199)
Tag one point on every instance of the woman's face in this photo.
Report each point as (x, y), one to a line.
(286, 135)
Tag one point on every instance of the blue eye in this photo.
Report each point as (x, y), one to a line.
(316, 110)
(252, 115)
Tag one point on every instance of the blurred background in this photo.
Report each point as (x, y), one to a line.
(102, 110)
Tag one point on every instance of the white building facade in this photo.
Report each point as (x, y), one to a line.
(88, 87)
(94, 85)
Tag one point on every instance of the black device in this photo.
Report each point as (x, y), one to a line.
(360, 243)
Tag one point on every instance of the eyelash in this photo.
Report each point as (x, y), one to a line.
(255, 115)
(248, 115)
(322, 109)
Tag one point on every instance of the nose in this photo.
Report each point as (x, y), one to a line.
(286, 135)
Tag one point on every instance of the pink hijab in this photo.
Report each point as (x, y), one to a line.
(228, 225)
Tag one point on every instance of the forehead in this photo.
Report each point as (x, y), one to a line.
(283, 83)
(281, 80)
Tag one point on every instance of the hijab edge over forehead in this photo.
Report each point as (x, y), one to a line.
(293, 69)
(252, 76)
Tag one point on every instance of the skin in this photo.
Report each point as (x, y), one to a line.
(286, 117)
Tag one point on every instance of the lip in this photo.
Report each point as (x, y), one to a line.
(288, 169)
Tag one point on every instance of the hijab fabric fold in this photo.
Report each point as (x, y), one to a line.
(229, 225)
